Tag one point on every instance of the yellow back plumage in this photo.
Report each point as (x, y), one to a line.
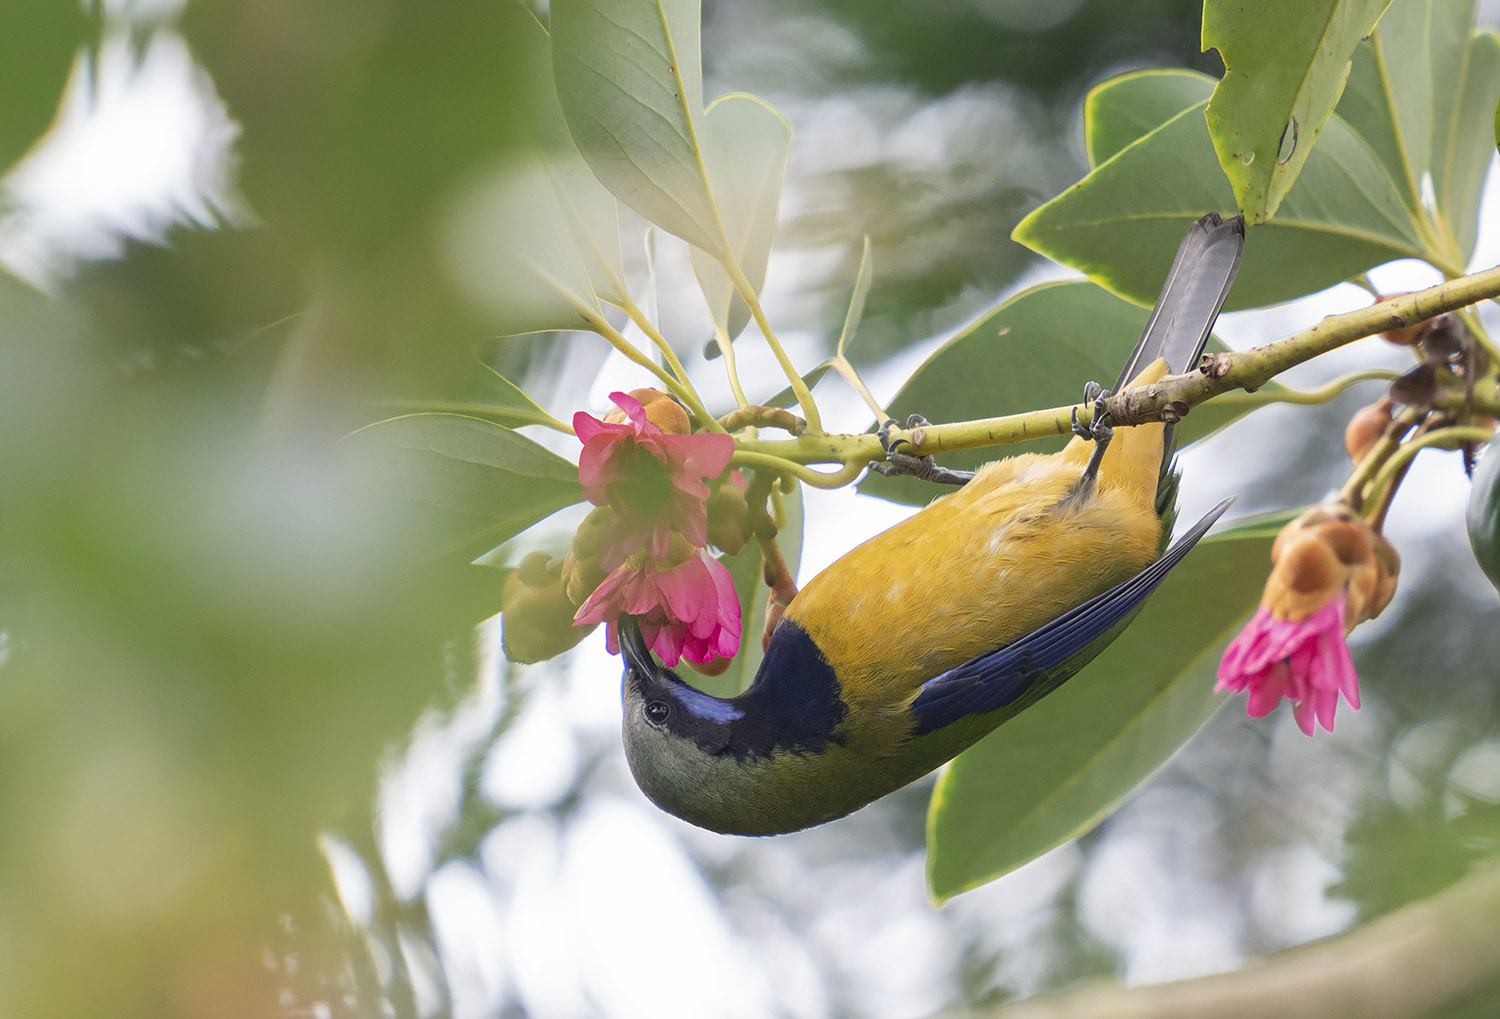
(984, 565)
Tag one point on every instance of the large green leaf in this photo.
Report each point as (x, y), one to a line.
(1285, 64)
(1418, 88)
(505, 402)
(630, 81)
(1462, 156)
(591, 211)
(745, 143)
(472, 483)
(513, 248)
(539, 244)
(1484, 512)
(1056, 770)
(1035, 350)
(38, 42)
(1123, 221)
(1129, 106)
(749, 581)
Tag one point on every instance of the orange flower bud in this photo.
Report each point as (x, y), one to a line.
(713, 667)
(661, 410)
(1328, 551)
(536, 614)
(1367, 426)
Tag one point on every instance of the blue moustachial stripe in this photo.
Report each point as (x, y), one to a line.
(706, 706)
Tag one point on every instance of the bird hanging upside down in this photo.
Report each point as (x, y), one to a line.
(928, 636)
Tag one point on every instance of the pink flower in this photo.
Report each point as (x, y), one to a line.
(1331, 570)
(690, 610)
(1305, 662)
(653, 480)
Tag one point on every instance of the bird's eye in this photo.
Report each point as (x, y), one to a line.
(657, 711)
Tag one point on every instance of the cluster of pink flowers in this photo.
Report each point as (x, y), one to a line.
(1331, 571)
(654, 480)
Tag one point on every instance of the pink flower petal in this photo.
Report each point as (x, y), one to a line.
(1305, 662)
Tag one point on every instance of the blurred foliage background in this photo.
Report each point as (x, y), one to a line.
(224, 670)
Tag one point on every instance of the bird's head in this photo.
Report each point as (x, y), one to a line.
(679, 740)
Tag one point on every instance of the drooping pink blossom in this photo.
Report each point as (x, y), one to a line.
(1305, 662)
(653, 480)
(689, 610)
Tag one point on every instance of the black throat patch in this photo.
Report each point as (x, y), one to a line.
(793, 706)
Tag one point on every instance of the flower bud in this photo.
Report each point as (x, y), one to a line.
(581, 572)
(1326, 552)
(1367, 426)
(536, 615)
(729, 515)
(713, 667)
(661, 410)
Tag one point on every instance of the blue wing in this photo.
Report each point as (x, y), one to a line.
(1000, 677)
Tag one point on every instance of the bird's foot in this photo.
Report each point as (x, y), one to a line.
(924, 468)
(1098, 429)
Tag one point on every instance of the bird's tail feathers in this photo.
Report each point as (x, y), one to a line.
(1191, 298)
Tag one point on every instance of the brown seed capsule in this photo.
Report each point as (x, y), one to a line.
(536, 621)
(1367, 426)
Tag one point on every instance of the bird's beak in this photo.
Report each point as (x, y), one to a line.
(633, 647)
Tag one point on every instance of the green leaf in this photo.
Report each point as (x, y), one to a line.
(1121, 223)
(539, 244)
(1127, 107)
(749, 581)
(857, 298)
(745, 142)
(1285, 66)
(506, 402)
(1483, 515)
(591, 211)
(1463, 155)
(1056, 770)
(629, 78)
(472, 484)
(1035, 350)
(1416, 90)
(39, 40)
(512, 248)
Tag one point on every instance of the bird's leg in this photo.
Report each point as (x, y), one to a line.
(899, 464)
(1097, 429)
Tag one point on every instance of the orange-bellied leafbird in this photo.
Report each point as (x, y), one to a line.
(923, 639)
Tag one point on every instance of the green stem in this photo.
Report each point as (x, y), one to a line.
(683, 392)
(644, 323)
(1251, 369)
(1445, 438)
(1353, 491)
(1324, 393)
(779, 465)
(752, 301)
